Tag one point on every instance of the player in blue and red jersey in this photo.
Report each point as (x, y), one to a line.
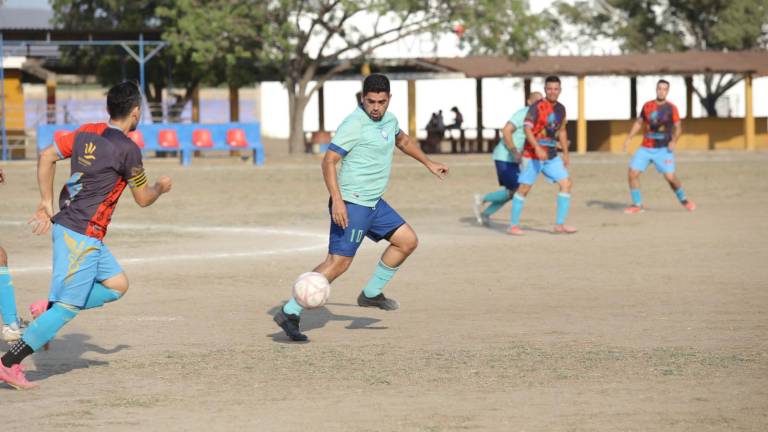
(661, 131)
(85, 274)
(544, 130)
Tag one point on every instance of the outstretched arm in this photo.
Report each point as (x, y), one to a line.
(46, 171)
(146, 195)
(338, 207)
(632, 132)
(409, 147)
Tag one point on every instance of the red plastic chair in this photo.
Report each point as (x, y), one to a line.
(236, 138)
(167, 138)
(202, 138)
(137, 137)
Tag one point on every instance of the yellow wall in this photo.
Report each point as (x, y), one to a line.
(698, 134)
(14, 99)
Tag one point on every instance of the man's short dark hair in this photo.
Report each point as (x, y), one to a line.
(551, 78)
(375, 83)
(663, 81)
(122, 99)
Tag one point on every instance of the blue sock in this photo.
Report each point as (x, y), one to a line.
(517, 209)
(500, 195)
(637, 198)
(497, 199)
(45, 327)
(293, 307)
(381, 276)
(563, 202)
(7, 297)
(680, 194)
(100, 295)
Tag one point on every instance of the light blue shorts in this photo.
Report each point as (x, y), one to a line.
(662, 158)
(377, 223)
(78, 262)
(553, 169)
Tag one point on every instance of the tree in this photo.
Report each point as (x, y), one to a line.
(676, 25)
(315, 40)
(112, 64)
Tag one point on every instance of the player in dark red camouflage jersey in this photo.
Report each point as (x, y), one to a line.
(85, 274)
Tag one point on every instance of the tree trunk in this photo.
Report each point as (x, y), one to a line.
(297, 102)
(709, 105)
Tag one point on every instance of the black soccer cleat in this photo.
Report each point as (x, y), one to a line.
(290, 325)
(379, 301)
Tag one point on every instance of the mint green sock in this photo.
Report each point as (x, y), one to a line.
(293, 307)
(500, 195)
(381, 276)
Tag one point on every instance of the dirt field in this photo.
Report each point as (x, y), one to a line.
(650, 322)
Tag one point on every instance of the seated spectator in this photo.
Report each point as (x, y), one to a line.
(458, 119)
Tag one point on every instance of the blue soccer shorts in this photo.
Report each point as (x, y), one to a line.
(508, 173)
(376, 223)
(662, 158)
(553, 169)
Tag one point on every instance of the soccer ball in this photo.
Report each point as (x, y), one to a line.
(311, 290)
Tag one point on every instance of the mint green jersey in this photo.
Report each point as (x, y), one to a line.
(366, 147)
(501, 152)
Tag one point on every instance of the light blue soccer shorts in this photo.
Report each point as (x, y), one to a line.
(662, 158)
(78, 262)
(553, 169)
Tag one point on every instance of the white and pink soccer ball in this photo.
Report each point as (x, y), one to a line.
(311, 290)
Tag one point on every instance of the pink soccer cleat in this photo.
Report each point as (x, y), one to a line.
(515, 231)
(564, 229)
(633, 209)
(14, 377)
(689, 205)
(36, 309)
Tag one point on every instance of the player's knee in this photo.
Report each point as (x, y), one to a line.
(410, 244)
(3, 258)
(523, 190)
(339, 263)
(117, 283)
(566, 184)
(634, 174)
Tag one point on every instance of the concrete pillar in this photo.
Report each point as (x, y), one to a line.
(321, 108)
(479, 102)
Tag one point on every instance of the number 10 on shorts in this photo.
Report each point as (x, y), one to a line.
(356, 236)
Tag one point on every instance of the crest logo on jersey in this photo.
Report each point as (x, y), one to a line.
(88, 158)
(384, 134)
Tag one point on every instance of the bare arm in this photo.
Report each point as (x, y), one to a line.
(562, 137)
(676, 132)
(46, 171)
(506, 134)
(407, 146)
(146, 195)
(632, 132)
(338, 207)
(540, 152)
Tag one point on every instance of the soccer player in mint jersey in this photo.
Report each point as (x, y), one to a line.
(85, 274)
(544, 128)
(506, 156)
(364, 144)
(662, 129)
(11, 330)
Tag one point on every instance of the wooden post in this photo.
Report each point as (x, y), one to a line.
(196, 105)
(527, 90)
(749, 116)
(412, 108)
(234, 103)
(689, 97)
(581, 124)
(633, 98)
(50, 98)
(321, 108)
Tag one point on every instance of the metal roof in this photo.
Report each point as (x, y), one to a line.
(681, 63)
